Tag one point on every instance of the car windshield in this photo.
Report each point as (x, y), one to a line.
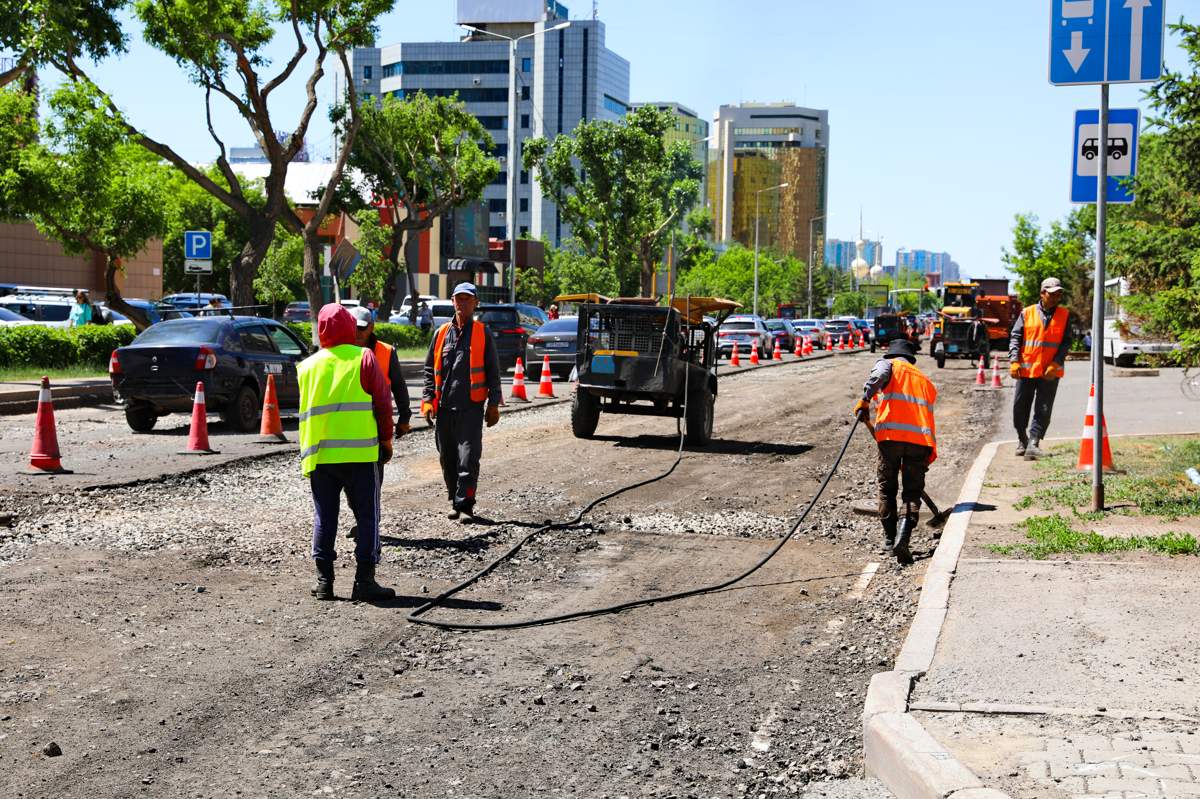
(297, 306)
(776, 324)
(182, 331)
(807, 322)
(738, 326)
(442, 308)
(8, 316)
(567, 324)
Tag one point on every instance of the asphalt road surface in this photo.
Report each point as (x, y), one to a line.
(162, 636)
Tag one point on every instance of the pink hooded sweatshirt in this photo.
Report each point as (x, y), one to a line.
(335, 326)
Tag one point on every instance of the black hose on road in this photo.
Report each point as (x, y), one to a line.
(416, 616)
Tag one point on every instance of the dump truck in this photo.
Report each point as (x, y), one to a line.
(638, 357)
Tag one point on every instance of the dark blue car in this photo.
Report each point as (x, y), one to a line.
(231, 355)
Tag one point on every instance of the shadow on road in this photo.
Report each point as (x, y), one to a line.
(717, 446)
(475, 544)
(405, 602)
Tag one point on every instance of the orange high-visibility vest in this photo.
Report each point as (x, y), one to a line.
(1041, 341)
(479, 389)
(383, 354)
(906, 408)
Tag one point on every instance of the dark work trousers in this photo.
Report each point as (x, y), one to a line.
(361, 484)
(1038, 394)
(900, 459)
(460, 443)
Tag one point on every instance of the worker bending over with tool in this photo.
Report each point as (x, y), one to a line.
(1037, 350)
(345, 433)
(462, 376)
(906, 435)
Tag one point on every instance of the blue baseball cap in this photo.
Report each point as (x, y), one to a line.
(464, 288)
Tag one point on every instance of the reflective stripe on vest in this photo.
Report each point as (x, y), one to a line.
(1041, 341)
(478, 376)
(906, 408)
(337, 418)
(383, 355)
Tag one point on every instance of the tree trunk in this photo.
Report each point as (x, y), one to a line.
(649, 269)
(389, 285)
(312, 281)
(112, 295)
(245, 268)
(412, 254)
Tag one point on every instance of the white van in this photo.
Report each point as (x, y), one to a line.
(1123, 341)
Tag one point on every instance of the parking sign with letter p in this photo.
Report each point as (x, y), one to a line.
(197, 244)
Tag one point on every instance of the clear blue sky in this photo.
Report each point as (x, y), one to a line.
(943, 125)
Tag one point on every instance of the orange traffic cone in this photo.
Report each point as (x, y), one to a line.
(198, 434)
(754, 353)
(271, 429)
(799, 350)
(1087, 446)
(518, 384)
(546, 386)
(808, 347)
(734, 360)
(980, 379)
(778, 356)
(44, 457)
(996, 374)
(841, 343)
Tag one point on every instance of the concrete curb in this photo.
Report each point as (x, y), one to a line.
(897, 750)
(72, 395)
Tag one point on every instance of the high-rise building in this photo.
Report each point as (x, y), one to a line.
(757, 146)
(928, 262)
(563, 77)
(839, 253)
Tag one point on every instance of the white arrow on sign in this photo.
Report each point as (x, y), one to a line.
(1078, 53)
(1136, 9)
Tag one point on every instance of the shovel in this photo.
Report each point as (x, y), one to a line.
(939, 516)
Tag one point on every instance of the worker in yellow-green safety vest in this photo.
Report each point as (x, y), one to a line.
(345, 433)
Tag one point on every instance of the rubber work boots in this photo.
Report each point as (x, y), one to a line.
(323, 589)
(365, 587)
(900, 548)
(1022, 445)
(1033, 451)
(889, 533)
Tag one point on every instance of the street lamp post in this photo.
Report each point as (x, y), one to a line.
(510, 213)
(812, 254)
(756, 198)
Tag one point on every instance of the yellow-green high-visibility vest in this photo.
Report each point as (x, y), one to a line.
(337, 423)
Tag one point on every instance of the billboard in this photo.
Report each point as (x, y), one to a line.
(483, 11)
(465, 231)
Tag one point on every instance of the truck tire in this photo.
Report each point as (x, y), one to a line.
(585, 414)
(242, 411)
(941, 359)
(140, 417)
(700, 417)
(872, 345)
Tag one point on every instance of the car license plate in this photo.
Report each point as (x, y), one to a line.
(557, 345)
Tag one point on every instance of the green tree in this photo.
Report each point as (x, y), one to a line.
(226, 48)
(92, 189)
(18, 131)
(420, 156)
(1062, 251)
(692, 245)
(39, 31)
(373, 272)
(282, 270)
(620, 188)
(849, 303)
(731, 276)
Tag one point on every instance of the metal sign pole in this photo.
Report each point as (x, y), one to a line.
(1098, 306)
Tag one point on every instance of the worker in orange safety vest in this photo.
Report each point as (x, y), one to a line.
(1037, 352)
(461, 394)
(907, 438)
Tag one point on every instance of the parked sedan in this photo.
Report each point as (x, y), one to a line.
(557, 339)
(813, 328)
(297, 312)
(744, 330)
(12, 319)
(230, 355)
(510, 328)
(838, 331)
(783, 333)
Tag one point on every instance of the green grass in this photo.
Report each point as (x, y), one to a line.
(35, 373)
(1152, 479)
(1051, 535)
(412, 353)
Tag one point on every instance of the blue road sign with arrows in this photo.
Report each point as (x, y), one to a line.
(1122, 154)
(1106, 41)
(197, 245)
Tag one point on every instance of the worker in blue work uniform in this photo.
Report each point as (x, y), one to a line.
(461, 394)
(345, 432)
